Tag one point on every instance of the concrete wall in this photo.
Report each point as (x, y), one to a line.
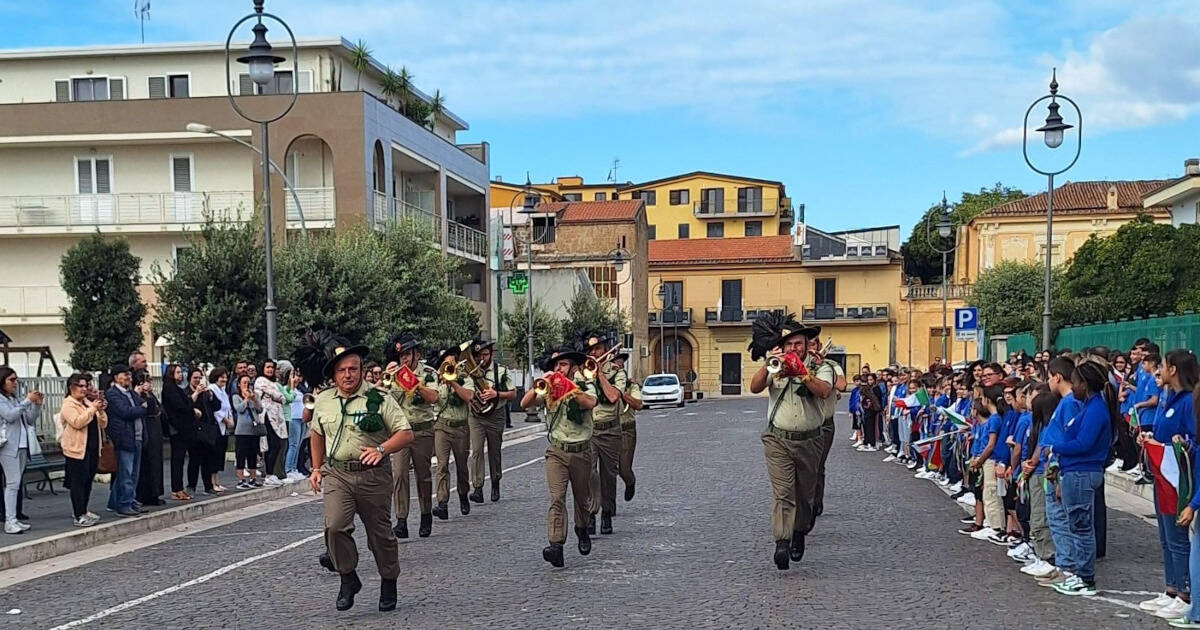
(923, 319)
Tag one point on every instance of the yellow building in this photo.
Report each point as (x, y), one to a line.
(706, 293)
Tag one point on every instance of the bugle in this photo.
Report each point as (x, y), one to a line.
(541, 387)
(310, 401)
(774, 365)
(591, 366)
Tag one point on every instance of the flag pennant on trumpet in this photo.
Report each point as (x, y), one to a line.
(406, 379)
(560, 387)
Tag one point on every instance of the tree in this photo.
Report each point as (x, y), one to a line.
(360, 59)
(1139, 270)
(586, 313)
(418, 111)
(103, 319)
(389, 86)
(547, 331)
(920, 259)
(437, 107)
(1010, 299)
(404, 81)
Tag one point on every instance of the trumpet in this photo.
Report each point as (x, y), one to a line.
(591, 366)
(541, 387)
(774, 365)
(310, 401)
(449, 370)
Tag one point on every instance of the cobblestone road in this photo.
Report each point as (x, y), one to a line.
(691, 550)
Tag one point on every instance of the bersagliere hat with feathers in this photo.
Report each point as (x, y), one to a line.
(772, 328)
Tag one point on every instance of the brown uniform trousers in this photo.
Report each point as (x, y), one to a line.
(606, 451)
(628, 446)
(417, 456)
(445, 440)
(793, 469)
(562, 468)
(366, 493)
(826, 446)
(489, 429)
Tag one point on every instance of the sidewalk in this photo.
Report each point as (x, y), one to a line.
(53, 533)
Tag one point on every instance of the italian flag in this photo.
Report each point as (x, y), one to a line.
(957, 419)
(908, 402)
(1172, 470)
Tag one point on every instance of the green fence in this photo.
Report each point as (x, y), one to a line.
(1021, 341)
(1169, 332)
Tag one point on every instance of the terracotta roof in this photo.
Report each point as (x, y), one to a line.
(593, 211)
(1081, 198)
(710, 250)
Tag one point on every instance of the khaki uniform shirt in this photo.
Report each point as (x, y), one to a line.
(451, 408)
(502, 384)
(605, 412)
(795, 411)
(635, 391)
(569, 424)
(335, 413)
(415, 407)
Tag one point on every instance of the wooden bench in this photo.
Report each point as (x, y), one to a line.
(41, 468)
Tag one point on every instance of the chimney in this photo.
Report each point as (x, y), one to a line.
(1112, 198)
(1191, 167)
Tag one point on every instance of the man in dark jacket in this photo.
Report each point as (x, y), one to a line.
(126, 414)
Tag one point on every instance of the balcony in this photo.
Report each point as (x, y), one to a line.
(317, 205)
(462, 240)
(737, 316)
(122, 211)
(467, 242)
(671, 317)
(732, 209)
(865, 313)
(32, 301)
(934, 292)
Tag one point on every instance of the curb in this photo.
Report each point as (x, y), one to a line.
(1128, 485)
(121, 528)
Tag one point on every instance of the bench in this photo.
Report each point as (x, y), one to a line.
(41, 468)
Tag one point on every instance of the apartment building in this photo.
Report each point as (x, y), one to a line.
(98, 138)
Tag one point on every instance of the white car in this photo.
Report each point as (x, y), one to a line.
(662, 389)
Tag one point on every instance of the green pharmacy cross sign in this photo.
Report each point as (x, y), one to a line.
(518, 282)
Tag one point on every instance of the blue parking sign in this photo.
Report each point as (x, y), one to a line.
(966, 323)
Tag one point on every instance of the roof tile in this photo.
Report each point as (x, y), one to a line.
(593, 211)
(1081, 198)
(709, 250)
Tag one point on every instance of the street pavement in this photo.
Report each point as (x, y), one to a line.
(693, 548)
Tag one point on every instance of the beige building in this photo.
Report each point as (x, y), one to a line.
(98, 138)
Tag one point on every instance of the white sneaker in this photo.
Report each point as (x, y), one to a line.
(84, 521)
(1116, 466)
(967, 499)
(985, 533)
(943, 481)
(294, 477)
(1151, 605)
(24, 526)
(13, 527)
(1038, 568)
(1174, 610)
(1135, 472)
(863, 449)
(956, 488)
(272, 480)
(1019, 550)
(890, 458)
(857, 443)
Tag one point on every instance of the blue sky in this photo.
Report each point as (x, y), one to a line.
(865, 111)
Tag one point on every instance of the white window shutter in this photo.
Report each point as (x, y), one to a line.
(62, 91)
(158, 87)
(306, 81)
(116, 88)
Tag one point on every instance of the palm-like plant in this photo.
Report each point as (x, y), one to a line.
(389, 85)
(360, 58)
(405, 85)
(437, 107)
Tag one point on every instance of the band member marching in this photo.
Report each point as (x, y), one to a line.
(817, 355)
(414, 388)
(355, 427)
(799, 391)
(450, 431)
(631, 404)
(606, 432)
(569, 404)
(487, 417)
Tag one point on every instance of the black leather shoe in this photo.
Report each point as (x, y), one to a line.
(477, 495)
(324, 561)
(441, 512)
(591, 528)
(351, 585)
(781, 555)
(585, 541)
(605, 523)
(387, 595)
(401, 529)
(426, 526)
(495, 491)
(818, 509)
(464, 505)
(629, 491)
(553, 554)
(796, 550)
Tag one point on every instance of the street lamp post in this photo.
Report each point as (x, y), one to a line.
(944, 229)
(261, 61)
(661, 292)
(1053, 136)
(618, 259)
(529, 203)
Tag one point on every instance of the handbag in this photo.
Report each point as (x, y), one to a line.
(107, 463)
(260, 428)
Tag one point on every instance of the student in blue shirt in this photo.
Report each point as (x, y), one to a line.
(1043, 402)
(856, 410)
(1082, 451)
(978, 448)
(1016, 442)
(1179, 374)
(1060, 370)
(993, 506)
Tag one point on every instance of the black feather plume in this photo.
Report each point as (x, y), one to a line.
(312, 353)
(766, 332)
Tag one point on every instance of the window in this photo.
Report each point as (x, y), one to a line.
(282, 84)
(614, 196)
(753, 228)
(599, 197)
(181, 184)
(712, 200)
(543, 230)
(573, 197)
(652, 233)
(684, 230)
(93, 184)
(178, 84)
(604, 281)
(825, 292)
(89, 89)
(180, 252)
(672, 297)
(649, 196)
(731, 373)
(716, 229)
(750, 199)
(680, 197)
(731, 300)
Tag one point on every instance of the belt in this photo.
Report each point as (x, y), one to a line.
(354, 465)
(796, 435)
(602, 426)
(454, 424)
(571, 447)
(421, 426)
(626, 426)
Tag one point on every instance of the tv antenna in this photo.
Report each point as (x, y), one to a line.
(141, 10)
(612, 172)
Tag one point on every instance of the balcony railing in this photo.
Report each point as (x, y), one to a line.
(827, 312)
(671, 317)
(725, 316)
(732, 208)
(316, 203)
(32, 301)
(124, 209)
(462, 240)
(466, 240)
(934, 292)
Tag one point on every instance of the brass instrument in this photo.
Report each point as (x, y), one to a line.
(310, 401)
(774, 365)
(449, 370)
(591, 366)
(541, 387)
(828, 344)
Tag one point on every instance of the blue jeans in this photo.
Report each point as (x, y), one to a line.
(1193, 613)
(1174, 541)
(1079, 493)
(1056, 520)
(120, 494)
(296, 433)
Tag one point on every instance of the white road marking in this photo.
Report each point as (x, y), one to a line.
(1117, 602)
(255, 532)
(126, 605)
(1140, 593)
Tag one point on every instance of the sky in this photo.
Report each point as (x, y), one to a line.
(866, 111)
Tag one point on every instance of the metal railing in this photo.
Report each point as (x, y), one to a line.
(467, 240)
(124, 208)
(54, 389)
(767, 206)
(317, 204)
(672, 316)
(43, 300)
(934, 292)
(825, 312)
(715, 316)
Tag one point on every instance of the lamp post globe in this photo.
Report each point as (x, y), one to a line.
(261, 61)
